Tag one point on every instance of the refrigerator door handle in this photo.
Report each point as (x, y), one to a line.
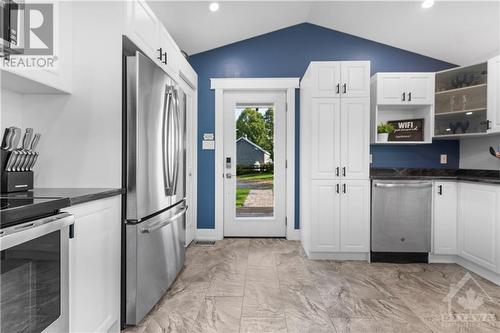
(167, 105)
(155, 226)
(178, 138)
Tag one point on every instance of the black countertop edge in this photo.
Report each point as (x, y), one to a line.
(75, 195)
(479, 176)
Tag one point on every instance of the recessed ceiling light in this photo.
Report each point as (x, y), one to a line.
(427, 3)
(468, 113)
(214, 6)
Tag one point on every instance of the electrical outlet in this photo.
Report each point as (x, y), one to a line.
(444, 159)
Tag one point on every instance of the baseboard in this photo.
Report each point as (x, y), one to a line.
(467, 264)
(207, 235)
(338, 256)
(293, 235)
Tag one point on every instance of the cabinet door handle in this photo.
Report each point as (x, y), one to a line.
(343, 172)
(166, 58)
(337, 171)
(344, 188)
(338, 88)
(409, 97)
(440, 189)
(338, 188)
(345, 87)
(404, 96)
(160, 57)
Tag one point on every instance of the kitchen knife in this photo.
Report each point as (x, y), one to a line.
(7, 137)
(23, 152)
(31, 153)
(16, 136)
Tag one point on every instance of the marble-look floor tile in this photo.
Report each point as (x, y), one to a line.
(364, 325)
(261, 257)
(365, 286)
(262, 300)
(219, 315)
(263, 325)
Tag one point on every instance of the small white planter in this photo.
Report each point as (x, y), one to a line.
(382, 137)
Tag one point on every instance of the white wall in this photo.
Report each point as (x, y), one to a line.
(474, 153)
(81, 132)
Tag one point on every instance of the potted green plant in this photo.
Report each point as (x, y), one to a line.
(383, 131)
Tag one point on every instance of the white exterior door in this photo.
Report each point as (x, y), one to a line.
(326, 79)
(445, 218)
(325, 215)
(355, 78)
(325, 138)
(191, 152)
(479, 207)
(254, 172)
(390, 88)
(420, 88)
(355, 216)
(355, 150)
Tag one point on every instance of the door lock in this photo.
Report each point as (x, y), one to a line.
(229, 175)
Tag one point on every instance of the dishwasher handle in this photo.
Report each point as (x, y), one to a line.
(410, 185)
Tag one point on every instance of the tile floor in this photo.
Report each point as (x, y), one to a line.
(267, 285)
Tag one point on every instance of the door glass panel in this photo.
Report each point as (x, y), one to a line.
(254, 161)
(30, 284)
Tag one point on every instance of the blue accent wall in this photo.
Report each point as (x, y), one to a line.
(287, 53)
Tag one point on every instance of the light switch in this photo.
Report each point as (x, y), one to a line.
(444, 159)
(208, 145)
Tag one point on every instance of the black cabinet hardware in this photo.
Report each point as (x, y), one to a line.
(160, 51)
(404, 97)
(345, 87)
(440, 189)
(338, 188)
(165, 60)
(71, 231)
(337, 171)
(344, 188)
(343, 171)
(409, 97)
(338, 88)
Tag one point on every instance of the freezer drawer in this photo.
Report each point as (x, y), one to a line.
(401, 216)
(155, 255)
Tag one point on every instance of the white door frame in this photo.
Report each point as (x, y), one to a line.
(220, 85)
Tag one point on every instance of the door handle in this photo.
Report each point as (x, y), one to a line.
(155, 226)
(440, 189)
(229, 176)
(409, 97)
(338, 88)
(337, 188)
(404, 97)
(343, 172)
(337, 171)
(409, 185)
(344, 188)
(344, 86)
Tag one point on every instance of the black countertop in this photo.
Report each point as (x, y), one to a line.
(479, 176)
(75, 195)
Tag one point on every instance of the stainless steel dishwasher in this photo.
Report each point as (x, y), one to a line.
(401, 220)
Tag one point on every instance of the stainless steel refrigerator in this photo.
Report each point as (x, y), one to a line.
(155, 183)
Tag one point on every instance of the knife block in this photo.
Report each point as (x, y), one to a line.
(13, 181)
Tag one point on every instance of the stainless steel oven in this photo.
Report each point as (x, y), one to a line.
(11, 27)
(34, 273)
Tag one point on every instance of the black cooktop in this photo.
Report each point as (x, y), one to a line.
(23, 207)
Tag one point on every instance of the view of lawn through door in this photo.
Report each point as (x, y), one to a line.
(254, 161)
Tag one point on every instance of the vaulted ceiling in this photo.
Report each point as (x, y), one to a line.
(460, 32)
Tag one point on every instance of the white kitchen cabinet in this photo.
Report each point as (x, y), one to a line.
(325, 216)
(325, 76)
(493, 93)
(325, 141)
(355, 138)
(445, 218)
(355, 78)
(94, 292)
(355, 216)
(143, 28)
(171, 53)
(404, 88)
(334, 161)
(479, 224)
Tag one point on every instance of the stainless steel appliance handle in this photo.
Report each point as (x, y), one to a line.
(158, 225)
(21, 233)
(178, 132)
(166, 138)
(412, 185)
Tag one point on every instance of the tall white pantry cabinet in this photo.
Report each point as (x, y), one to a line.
(335, 160)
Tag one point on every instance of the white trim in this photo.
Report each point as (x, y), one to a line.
(279, 83)
(220, 85)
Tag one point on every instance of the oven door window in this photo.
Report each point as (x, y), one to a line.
(30, 284)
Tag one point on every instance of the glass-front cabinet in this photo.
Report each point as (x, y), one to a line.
(461, 101)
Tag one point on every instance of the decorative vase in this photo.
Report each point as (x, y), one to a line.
(383, 137)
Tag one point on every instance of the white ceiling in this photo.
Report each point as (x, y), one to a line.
(460, 32)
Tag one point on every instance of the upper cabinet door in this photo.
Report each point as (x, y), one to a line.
(390, 88)
(326, 79)
(355, 79)
(420, 88)
(494, 94)
(325, 138)
(143, 27)
(355, 150)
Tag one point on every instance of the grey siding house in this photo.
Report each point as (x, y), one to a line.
(249, 153)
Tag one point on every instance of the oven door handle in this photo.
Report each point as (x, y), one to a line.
(416, 185)
(155, 226)
(21, 233)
